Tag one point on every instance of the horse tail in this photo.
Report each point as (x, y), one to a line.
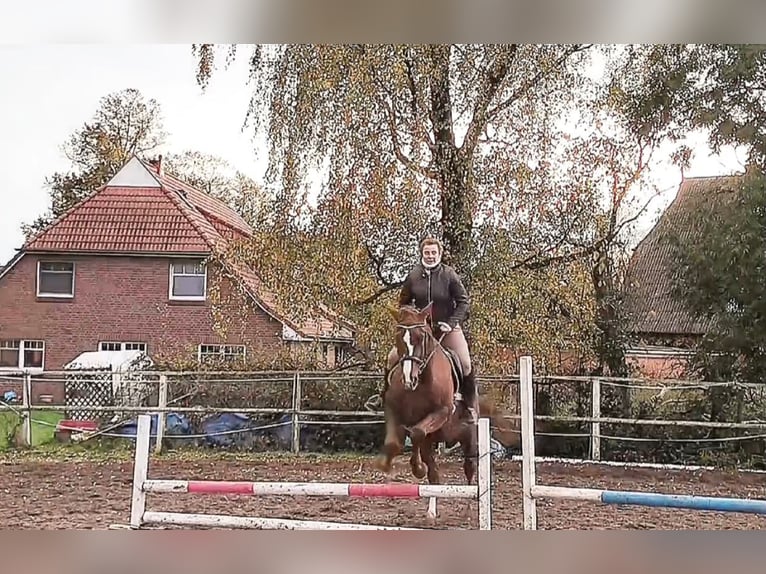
(506, 430)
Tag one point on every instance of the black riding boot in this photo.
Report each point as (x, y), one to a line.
(471, 396)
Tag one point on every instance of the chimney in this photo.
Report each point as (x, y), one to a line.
(159, 165)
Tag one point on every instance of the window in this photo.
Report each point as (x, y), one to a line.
(221, 352)
(341, 354)
(55, 279)
(22, 354)
(188, 280)
(116, 346)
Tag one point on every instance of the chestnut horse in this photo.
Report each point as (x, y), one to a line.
(420, 400)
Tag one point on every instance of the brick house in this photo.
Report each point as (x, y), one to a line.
(139, 264)
(663, 331)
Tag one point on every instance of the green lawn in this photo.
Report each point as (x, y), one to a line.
(43, 426)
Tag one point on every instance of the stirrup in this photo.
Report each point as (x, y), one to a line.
(374, 403)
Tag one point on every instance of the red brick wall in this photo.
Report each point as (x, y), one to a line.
(657, 367)
(119, 299)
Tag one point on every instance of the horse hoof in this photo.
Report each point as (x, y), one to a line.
(419, 470)
(383, 464)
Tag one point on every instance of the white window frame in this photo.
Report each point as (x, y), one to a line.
(172, 276)
(22, 348)
(123, 345)
(40, 263)
(220, 352)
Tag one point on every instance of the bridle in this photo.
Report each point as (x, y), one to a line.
(422, 363)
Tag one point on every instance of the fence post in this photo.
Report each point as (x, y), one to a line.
(162, 404)
(296, 410)
(595, 426)
(26, 404)
(528, 474)
(140, 471)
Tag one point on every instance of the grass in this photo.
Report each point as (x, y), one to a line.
(43, 427)
(100, 450)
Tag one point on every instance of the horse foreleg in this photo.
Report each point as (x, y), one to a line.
(419, 433)
(430, 424)
(427, 451)
(416, 460)
(393, 444)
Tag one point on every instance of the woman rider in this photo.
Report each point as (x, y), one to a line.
(432, 281)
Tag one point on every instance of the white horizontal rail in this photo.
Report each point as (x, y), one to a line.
(251, 522)
(386, 490)
(646, 422)
(566, 493)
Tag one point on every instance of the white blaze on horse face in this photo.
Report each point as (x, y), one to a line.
(407, 365)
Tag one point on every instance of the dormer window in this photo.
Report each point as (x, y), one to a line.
(188, 280)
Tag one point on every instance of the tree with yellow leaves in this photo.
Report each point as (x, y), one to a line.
(512, 154)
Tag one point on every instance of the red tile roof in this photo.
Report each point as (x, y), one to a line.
(212, 207)
(123, 219)
(320, 327)
(172, 218)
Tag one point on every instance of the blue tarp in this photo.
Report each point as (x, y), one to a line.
(175, 424)
(226, 429)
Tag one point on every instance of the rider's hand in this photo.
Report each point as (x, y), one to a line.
(445, 328)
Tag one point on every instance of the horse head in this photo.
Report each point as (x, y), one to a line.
(414, 342)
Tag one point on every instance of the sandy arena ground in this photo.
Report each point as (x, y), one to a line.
(90, 495)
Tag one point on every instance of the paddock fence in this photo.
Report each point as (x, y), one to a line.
(662, 421)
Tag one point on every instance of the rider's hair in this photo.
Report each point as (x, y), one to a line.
(430, 240)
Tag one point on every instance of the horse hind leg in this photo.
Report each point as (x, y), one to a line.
(470, 447)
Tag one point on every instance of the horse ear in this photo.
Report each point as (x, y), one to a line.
(425, 312)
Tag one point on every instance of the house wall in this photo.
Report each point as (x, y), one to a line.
(121, 299)
(668, 363)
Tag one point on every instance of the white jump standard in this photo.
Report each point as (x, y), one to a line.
(142, 485)
(532, 491)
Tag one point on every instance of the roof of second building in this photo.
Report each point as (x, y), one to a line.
(650, 302)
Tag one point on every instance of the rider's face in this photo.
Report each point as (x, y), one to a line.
(430, 254)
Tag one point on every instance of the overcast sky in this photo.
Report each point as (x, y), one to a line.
(49, 91)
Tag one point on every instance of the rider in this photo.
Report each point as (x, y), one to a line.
(432, 281)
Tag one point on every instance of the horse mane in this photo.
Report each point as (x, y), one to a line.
(408, 307)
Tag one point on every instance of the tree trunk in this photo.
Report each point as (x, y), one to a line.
(452, 168)
(609, 347)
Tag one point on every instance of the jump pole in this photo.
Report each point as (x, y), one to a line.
(532, 491)
(142, 486)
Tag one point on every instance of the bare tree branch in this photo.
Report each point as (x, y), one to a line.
(495, 74)
(534, 80)
(391, 120)
(382, 291)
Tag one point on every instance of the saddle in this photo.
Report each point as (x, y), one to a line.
(457, 371)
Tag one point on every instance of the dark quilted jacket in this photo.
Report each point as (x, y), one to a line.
(443, 287)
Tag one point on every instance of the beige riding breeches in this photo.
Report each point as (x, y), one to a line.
(454, 340)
